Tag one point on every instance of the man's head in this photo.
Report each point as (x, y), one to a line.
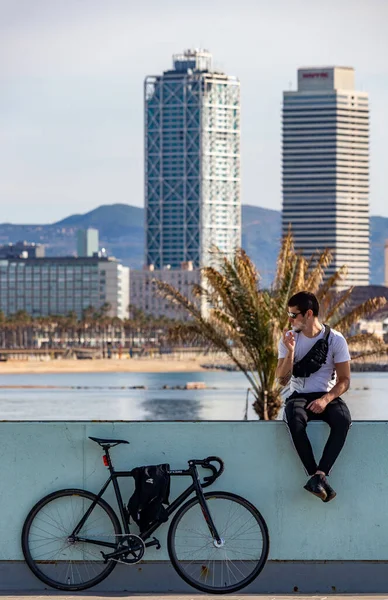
(303, 309)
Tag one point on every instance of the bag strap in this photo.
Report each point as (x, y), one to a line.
(310, 352)
(327, 332)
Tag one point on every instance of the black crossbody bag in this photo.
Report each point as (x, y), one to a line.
(314, 359)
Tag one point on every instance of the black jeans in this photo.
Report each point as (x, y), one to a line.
(336, 415)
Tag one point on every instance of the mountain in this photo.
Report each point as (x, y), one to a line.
(121, 228)
(111, 220)
(121, 232)
(378, 236)
(261, 232)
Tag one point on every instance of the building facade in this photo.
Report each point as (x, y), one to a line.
(326, 169)
(22, 250)
(144, 294)
(386, 263)
(192, 163)
(59, 285)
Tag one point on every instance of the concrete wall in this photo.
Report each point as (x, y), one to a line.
(37, 458)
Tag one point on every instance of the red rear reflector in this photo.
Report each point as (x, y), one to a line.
(105, 461)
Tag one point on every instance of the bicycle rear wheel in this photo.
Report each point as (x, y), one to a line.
(200, 561)
(62, 563)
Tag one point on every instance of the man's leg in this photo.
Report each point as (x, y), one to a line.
(337, 416)
(296, 418)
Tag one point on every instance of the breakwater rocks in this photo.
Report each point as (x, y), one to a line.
(190, 385)
(354, 367)
(369, 367)
(221, 367)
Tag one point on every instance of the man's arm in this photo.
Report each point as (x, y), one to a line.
(343, 381)
(284, 369)
(342, 386)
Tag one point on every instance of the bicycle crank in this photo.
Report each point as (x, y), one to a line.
(130, 551)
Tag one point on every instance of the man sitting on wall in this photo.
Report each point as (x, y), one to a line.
(314, 359)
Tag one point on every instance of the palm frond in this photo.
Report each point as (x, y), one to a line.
(285, 253)
(366, 344)
(316, 270)
(336, 305)
(363, 310)
(331, 282)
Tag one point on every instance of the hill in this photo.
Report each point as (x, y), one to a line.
(111, 220)
(121, 228)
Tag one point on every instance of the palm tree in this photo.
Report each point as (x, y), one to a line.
(245, 322)
(3, 321)
(21, 324)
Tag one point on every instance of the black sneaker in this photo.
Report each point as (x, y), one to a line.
(315, 485)
(330, 493)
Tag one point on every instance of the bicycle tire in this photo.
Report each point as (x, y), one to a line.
(201, 558)
(32, 530)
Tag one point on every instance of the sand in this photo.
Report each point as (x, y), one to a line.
(125, 365)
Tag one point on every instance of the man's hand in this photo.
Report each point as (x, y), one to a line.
(342, 385)
(318, 406)
(289, 340)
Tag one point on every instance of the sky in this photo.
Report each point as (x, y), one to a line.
(71, 90)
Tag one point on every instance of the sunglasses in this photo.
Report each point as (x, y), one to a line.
(293, 315)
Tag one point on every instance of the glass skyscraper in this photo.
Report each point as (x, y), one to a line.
(326, 168)
(192, 163)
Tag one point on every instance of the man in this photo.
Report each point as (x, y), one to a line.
(319, 373)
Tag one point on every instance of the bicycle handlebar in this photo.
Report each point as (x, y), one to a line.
(205, 463)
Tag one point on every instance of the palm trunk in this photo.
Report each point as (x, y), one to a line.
(267, 404)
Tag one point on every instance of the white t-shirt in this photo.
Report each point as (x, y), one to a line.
(325, 378)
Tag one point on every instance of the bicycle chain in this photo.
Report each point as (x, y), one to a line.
(128, 564)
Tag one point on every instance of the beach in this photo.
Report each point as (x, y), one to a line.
(175, 363)
(165, 364)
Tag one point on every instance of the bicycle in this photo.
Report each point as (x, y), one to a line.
(218, 542)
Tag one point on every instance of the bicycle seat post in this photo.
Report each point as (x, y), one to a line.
(107, 459)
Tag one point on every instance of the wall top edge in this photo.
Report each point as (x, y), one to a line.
(227, 422)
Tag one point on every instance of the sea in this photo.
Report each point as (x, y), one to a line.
(158, 397)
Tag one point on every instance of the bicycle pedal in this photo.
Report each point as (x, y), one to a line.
(154, 542)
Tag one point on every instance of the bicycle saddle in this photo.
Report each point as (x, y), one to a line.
(109, 442)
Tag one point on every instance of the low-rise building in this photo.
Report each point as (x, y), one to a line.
(145, 296)
(371, 326)
(22, 250)
(375, 323)
(59, 285)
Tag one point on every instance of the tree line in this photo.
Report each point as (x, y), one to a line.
(24, 331)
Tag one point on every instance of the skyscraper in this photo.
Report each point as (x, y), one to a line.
(326, 168)
(192, 162)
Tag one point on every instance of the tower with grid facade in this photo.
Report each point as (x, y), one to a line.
(192, 163)
(326, 168)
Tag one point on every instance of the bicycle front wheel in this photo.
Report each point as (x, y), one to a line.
(58, 560)
(218, 568)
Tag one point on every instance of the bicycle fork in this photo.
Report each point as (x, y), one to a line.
(217, 540)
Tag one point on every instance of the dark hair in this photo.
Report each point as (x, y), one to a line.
(305, 301)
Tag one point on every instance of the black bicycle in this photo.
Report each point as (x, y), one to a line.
(218, 542)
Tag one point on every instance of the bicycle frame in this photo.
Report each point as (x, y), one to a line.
(196, 487)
